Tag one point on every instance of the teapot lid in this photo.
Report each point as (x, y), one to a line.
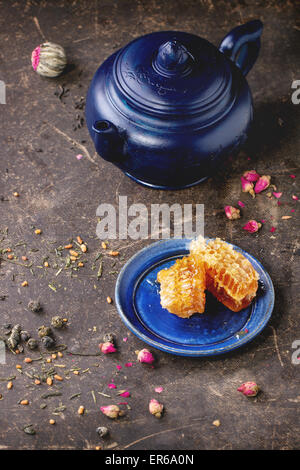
(174, 76)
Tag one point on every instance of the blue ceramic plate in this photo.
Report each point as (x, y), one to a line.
(216, 331)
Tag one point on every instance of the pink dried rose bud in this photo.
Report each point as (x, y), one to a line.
(262, 183)
(232, 213)
(252, 226)
(249, 389)
(35, 57)
(107, 348)
(247, 186)
(251, 175)
(124, 393)
(277, 194)
(111, 411)
(145, 356)
(156, 408)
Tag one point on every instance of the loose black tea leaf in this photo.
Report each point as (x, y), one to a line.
(29, 429)
(35, 306)
(57, 322)
(51, 394)
(44, 331)
(102, 431)
(74, 396)
(14, 338)
(25, 336)
(108, 338)
(32, 343)
(48, 342)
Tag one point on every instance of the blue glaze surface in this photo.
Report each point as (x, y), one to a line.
(169, 107)
(216, 331)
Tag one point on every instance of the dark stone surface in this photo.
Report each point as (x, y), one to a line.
(60, 195)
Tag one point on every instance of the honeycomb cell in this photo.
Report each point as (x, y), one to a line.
(230, 277)
(182, 287)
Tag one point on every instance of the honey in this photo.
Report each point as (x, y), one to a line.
(214, 266)
(182, 287)
(230, 277)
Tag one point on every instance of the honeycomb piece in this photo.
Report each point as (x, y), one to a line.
(182, 287)
(230, 277)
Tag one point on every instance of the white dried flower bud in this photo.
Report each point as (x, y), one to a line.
(49, 59)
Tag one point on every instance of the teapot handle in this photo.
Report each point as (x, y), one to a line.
(242, 45)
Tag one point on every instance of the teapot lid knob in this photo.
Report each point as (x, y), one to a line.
(172, 59)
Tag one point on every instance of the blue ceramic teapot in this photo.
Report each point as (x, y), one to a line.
(169, 107)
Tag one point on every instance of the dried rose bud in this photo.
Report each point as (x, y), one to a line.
(249, 389)
(252, 226)
(262, 183)
(145, 356)
(251, 175)
(277, 194)
(111, 411)
(232, 213)
(156, 408)
(124, 393)
(107, 348)
(247, 186)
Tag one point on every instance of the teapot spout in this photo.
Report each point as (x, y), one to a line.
(107, 141)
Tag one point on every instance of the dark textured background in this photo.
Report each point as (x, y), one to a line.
(60, 194)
